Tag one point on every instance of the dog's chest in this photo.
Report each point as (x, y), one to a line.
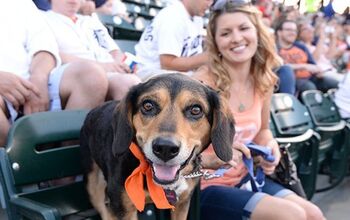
(172, 192)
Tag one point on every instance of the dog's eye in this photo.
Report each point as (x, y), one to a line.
(194, 112)
(148, 107)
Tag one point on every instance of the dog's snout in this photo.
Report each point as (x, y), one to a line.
(165, 148)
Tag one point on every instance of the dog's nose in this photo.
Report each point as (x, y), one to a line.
(165, 149)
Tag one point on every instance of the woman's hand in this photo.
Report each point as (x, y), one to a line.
(239, 150)
(269, 167)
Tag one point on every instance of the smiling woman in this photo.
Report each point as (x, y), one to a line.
(241, 58)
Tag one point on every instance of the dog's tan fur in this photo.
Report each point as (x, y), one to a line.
(96, 188)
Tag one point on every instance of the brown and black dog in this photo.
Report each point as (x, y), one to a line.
(172, 118)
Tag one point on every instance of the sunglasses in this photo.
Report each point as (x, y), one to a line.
(219, 5)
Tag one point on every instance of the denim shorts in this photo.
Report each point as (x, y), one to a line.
(223, 203)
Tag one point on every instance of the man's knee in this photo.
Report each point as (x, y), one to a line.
(95, 77)
(84, 75)
(120, 84)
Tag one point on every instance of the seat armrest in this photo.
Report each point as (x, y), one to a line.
(340, 126)
(30, 209)
(298, 139)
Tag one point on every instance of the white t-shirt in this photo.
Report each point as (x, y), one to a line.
(342, 97)
(23, 33)
(86, 38)
(173, 31)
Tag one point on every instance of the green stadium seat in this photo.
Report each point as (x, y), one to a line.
(126, 45)
(292, 124)
(334, 143)
(33, 156)
(120, 28)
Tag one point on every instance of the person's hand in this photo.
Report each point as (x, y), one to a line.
(269, 167)
(239, 150)
(313, 69)
(116, 66)
(38, 103)
(15, 89)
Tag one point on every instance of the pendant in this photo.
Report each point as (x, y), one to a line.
(171, 196)
(241, 107)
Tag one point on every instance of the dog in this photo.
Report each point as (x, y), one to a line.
(171, 119)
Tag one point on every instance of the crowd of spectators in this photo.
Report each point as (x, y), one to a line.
(56, 57)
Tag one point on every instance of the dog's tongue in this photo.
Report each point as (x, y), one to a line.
(167, 173)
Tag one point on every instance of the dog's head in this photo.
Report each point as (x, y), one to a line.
(173, 118)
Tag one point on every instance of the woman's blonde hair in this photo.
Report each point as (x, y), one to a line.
(264, 60)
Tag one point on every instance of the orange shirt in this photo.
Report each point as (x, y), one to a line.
(295, 55)
(248, 124)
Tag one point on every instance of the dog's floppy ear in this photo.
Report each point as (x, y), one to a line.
(122, 123)
(223, 130)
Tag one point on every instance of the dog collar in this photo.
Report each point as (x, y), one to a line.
(135, 188)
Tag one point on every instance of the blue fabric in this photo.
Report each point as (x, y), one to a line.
(42, 4)
(328, 10)
(287, 82)
(257, 179)
(99, 3)
(223, 203)
(263, 151)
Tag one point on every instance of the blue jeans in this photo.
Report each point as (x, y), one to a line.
(223, 203)
(286, 79)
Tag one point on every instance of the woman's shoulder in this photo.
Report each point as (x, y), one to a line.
(204, 75)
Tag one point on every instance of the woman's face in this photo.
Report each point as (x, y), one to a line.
(236, 37)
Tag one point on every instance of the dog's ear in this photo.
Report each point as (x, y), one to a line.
(223, 130)
(122, 123)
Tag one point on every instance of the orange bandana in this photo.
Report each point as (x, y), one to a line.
(134, 184)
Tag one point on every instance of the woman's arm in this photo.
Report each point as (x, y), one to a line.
(203, 75)
(265, 137)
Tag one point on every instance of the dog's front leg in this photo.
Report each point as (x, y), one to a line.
(120, 204)
(181, 210)
(96, 186)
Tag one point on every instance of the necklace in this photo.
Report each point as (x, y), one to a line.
(241, 106)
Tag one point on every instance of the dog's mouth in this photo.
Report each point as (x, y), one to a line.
(168, 174)
(165, 174)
